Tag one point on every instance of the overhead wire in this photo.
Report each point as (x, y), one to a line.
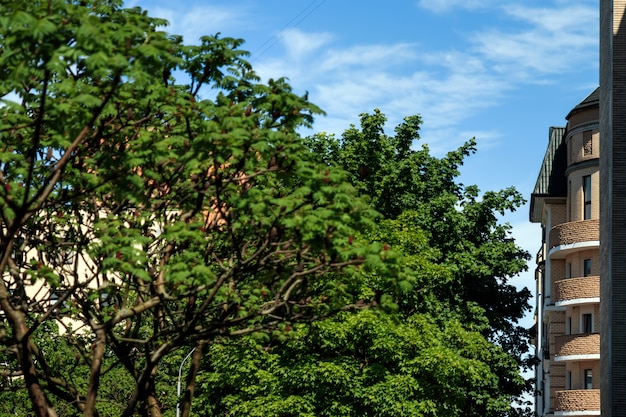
(312, 6)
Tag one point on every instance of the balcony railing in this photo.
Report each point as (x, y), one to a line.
(577, 400)
(577, 288)
(574, 232)
(573, 345)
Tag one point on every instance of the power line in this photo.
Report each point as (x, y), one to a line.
(307, 11)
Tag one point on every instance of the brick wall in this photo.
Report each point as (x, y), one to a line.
(613, 162)
(557, 273)
(556, 328)
(577, 344)
(557, 381)
(589, 115)
(574, 313)
(575, 259)
(574, 232)
(558, 214)
(577, 400)
(576, 195)
(576, 145)
(573, 288)
(577, 372)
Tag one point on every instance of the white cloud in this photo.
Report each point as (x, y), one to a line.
(440, 6)
(372, 57)
(577, 17)
(442, 140)
(444, 88)
(553, 40)
(197, 21)
(299, 44)
(447, 87)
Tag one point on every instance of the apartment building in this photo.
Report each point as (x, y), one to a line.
(565, 201)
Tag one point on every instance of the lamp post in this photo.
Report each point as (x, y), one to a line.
(180, 371)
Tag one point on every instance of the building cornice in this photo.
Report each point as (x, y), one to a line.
(589, 163)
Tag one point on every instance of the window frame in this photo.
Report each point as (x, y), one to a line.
(587, 197)
(586, 323)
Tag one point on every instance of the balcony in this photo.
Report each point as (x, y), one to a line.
(567, 236)
(541, 258)
(576, 347)
(577, 402)
(577, 291)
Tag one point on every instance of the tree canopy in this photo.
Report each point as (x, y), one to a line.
(453, 345)
(154, 196)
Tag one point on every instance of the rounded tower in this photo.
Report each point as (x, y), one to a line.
(566, 202)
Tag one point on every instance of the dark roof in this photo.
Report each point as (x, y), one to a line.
(551, 181)
(591, 100)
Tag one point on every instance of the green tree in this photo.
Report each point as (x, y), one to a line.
(451, 347)
(153, 196)
(421, 191)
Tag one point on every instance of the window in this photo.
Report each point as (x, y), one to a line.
(588, 379)
(587, 143)
(55, 295)
(586, 267)
(587, 197)
(587, 323)
(568, 270)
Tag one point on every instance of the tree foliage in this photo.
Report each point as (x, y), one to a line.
(462, 228)
(452, 346)
(154, 196)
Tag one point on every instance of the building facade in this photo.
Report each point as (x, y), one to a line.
(613, 205)
(565, 202)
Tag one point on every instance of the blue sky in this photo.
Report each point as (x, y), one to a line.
(502, 71)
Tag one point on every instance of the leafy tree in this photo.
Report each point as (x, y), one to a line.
(417, 191)
(154, 196)
(452, 347)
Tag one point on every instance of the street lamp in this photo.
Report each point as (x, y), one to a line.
(180, 371)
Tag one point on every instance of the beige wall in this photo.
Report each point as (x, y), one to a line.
(558, 214)
(578, 373)
(583, 146)
(576, 197)
(576, 312)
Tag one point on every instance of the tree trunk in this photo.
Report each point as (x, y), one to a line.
(191, 380)
(94, 376)
(41, 406)
(154, 409)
